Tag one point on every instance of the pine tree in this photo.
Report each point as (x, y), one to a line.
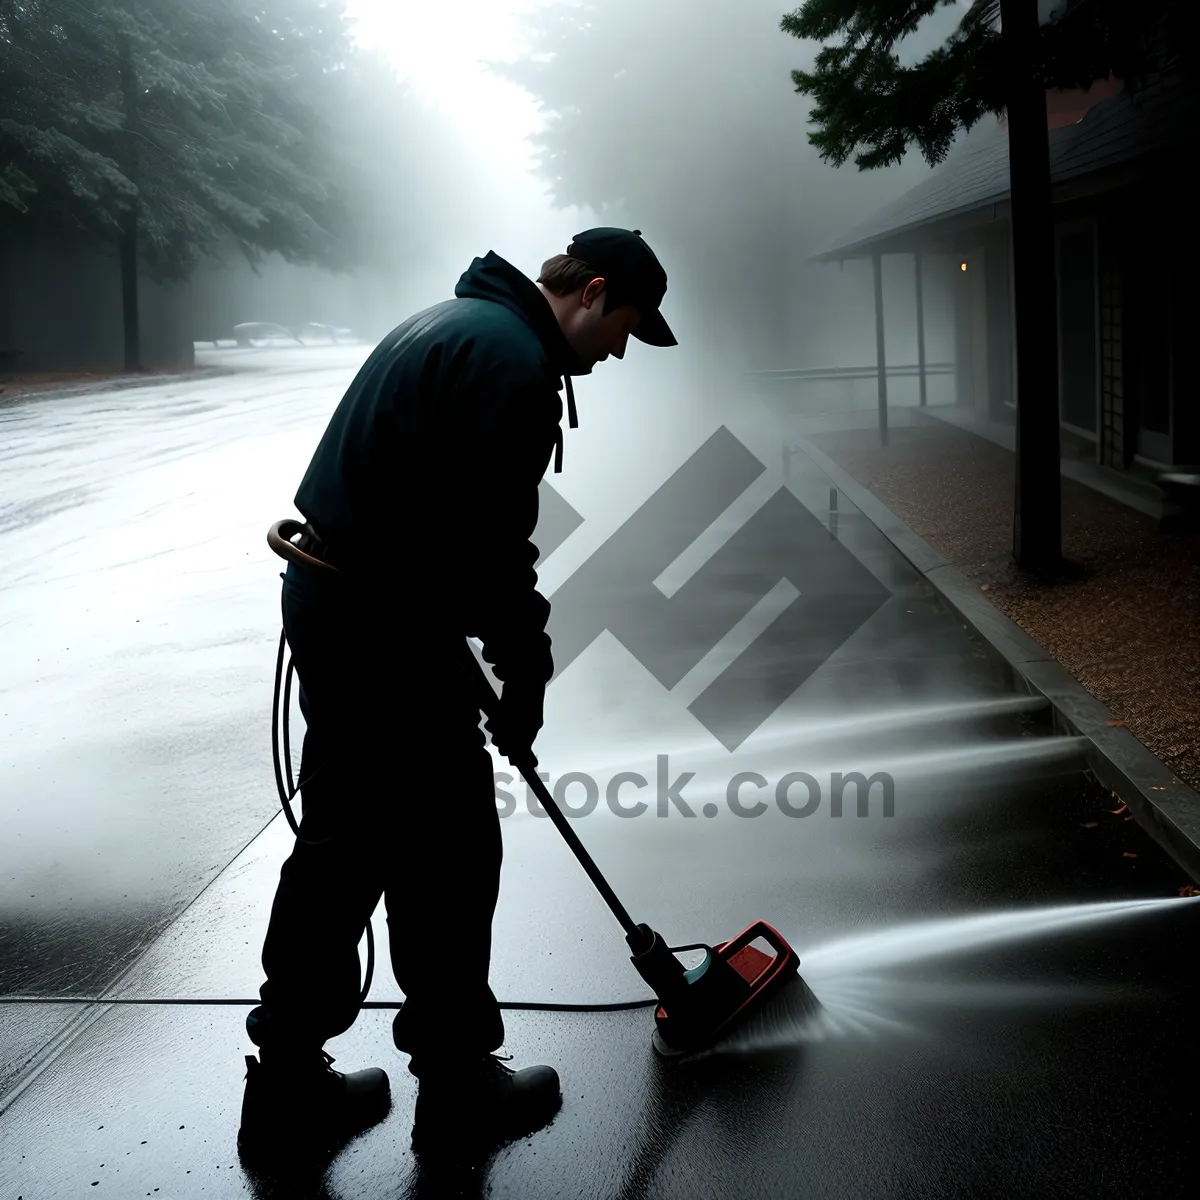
(171, 129)
(870, 107)
(57, 122)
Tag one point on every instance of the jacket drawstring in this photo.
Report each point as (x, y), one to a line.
(573, 419)
(571, 414)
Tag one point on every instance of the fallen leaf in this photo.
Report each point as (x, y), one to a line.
(1116, 724)
(1090, 824)
(1158, 789)
(985, 587)
(1116, 812)
(1188, 890)
(1128, 854)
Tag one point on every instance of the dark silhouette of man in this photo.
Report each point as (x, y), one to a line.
(423, 493)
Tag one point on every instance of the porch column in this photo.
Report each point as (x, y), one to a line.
(920, 325)
(880, 356)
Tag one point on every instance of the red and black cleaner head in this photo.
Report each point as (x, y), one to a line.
(699, 1004)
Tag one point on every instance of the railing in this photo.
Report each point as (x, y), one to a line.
(909, 371)
(812, 391)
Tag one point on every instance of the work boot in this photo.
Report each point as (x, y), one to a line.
(296, 1105)
(473, 1107)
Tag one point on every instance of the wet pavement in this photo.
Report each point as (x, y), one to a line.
(1003, 965)
(139, 617)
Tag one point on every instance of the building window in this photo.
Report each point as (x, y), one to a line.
(1078, 340)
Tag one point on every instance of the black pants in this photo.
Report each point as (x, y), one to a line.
(400, 783)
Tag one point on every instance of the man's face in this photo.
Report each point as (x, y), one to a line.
(592, 333)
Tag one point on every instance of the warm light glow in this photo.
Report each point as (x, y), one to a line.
(962, 266)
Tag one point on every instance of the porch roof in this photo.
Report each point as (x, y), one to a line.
(974, 176)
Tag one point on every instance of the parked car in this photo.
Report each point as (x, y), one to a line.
(263, 333)
(315, 331)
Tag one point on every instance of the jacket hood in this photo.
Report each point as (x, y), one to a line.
(494, 278)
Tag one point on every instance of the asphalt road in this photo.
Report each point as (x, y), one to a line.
(1003, 967)
(138, 610)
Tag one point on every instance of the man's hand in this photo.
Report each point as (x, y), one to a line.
(519, 718)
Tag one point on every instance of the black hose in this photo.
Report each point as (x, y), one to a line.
(283, 682)
(284, 763)
(512, 1005)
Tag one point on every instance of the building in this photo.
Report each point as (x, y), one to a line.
(1126, 262)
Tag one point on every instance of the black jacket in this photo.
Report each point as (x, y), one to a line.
(426, 478)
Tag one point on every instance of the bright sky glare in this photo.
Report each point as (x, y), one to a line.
(441, 47)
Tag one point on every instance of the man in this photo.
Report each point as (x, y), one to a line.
(423, 493)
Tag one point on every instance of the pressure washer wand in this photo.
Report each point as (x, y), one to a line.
(563, 824)
(488, 702)
(652, 958)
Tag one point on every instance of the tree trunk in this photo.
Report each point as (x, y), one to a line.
(1037, 530)
(128, 242)
(129, 291)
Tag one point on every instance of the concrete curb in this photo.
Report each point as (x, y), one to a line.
(1166, 807)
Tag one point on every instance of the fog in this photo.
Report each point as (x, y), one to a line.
(455, 132)
(210, 214)
(678, 118)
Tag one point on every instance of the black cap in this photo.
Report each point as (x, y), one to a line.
(632, 273)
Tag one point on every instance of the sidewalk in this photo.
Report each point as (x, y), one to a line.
(1130, 632)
